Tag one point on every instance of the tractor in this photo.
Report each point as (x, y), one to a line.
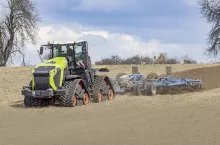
(67, 78)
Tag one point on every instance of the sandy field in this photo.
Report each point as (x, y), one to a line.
(181, 119)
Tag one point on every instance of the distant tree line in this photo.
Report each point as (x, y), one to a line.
(163, 58)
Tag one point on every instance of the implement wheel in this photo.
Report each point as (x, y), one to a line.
(151, 90)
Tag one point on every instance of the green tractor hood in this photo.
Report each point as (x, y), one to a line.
(49, 72)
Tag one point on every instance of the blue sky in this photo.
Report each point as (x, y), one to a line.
(125, 27)
(137, 17)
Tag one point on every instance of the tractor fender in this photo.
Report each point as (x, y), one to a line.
(70, 77)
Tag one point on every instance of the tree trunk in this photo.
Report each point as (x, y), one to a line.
(2, 64)
(2, 60)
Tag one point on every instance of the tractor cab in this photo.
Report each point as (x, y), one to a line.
(75, 53)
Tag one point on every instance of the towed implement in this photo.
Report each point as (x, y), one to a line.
(164, 85)
(67, 78)
(124, 83)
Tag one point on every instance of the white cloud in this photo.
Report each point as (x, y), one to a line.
(103, 44)
(3, 2)
(106, 5)
(191, 2)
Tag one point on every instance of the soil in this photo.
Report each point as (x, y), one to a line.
(181, 119)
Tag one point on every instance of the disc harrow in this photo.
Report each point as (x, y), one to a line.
(171, 85)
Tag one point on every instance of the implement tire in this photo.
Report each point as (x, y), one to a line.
(151, 90)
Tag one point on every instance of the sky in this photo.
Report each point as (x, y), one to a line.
(124, 27)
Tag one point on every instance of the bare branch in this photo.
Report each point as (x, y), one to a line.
(210, 9)
(18, 26)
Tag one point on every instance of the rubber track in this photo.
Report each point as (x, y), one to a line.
(97, 86)
(67, 100)
(30, 101)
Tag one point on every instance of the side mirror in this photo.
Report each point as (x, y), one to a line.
(41, 50)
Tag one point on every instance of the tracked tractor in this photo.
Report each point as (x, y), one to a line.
(66, 78)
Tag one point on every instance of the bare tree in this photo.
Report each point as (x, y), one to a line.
(188, 60)
(173, 60)
(210, 9)
(18, 25)
(162, 58)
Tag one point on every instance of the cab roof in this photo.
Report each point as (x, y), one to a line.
(65, 42)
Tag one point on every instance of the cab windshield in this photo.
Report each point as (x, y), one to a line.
(72, 51)
(63, 50)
